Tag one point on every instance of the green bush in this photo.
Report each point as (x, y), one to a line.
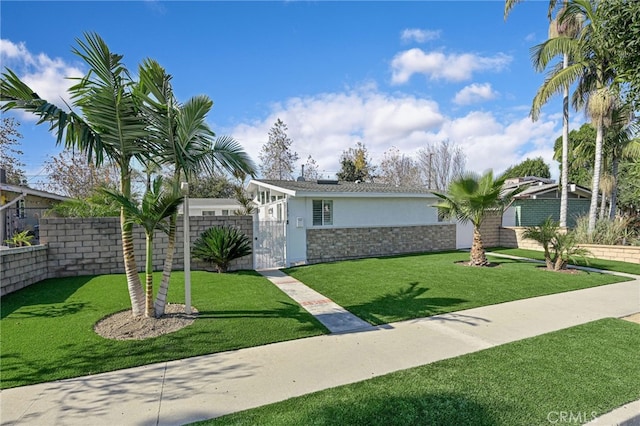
(559, 247)
(606, 232)
(220, 245)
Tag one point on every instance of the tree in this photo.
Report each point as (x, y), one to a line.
(157, 205)
(569, 27)
(559, 247)
(469, 199)
(579, 167)
(110, 126)
(398, 169)
(440, 163)
(590, 68)
(311, 169)
(619, 35)
(529, 167)
(9, 152)
(355, 165)
(211, 186)
(276, 158)
(69, 173)
(186, 144)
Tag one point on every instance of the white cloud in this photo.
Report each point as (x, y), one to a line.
(418, 35)
(475, 93)
(46, 76)
(325, 125)
(441, 66)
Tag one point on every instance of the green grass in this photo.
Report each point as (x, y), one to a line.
(47, 328)
(383, 290)
(586, 370)
(607, 265)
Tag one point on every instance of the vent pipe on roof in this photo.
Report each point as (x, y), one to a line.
(301, 177)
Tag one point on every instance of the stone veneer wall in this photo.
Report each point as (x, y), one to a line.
(92, 246)
(331, 244)
(22, 266)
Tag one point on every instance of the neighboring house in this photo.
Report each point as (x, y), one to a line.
(301, 222)
(21, 209)
(541, 199)
(212, 206)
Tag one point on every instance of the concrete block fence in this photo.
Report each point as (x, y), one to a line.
(92, 246)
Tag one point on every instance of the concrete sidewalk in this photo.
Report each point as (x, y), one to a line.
(183, 391)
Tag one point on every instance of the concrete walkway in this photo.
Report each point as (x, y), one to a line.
(178, 392)
(333, 316)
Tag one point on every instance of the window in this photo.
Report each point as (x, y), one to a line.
(322, 212)
(208, 213)
(225, 212)
(20, 209)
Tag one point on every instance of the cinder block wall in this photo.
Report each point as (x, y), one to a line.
(331, 244)
(92, 246)
(490, 229)
(20, 267)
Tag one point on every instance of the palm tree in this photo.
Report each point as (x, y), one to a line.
(186, 143)
(110, 126)
(469, 198)
(590, 68)
(570, 28)
(157, 205)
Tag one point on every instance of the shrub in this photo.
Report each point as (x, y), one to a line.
(559, 247)
(607, 232)
(220, 245)
(20, 239)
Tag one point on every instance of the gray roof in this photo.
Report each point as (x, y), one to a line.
(537, 189)
(340, 187)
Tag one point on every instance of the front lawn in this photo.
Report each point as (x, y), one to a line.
(584, 371)
(607, 265)
(47, 328)
(383, 290)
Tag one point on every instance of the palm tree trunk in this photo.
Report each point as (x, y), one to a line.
(161, 297)
(478, 257)
(564, 177)
(130, 267)
(613, 203)
(148, 308)
(595, 185)
(603, 203)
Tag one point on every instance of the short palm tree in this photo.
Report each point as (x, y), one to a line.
(469, 199)
(220, 245)
(559, 247)
(156, 207)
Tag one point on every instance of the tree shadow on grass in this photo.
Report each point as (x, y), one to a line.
(46, 292)
(286, 310)
(405, 303)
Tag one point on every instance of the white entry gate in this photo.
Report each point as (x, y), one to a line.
(269, 245)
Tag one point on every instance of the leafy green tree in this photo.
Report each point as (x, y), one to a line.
(529, 167)
(469, 199)
(621, 36)
(110, 126)
(355, 165)
(276, 158)
(211, 186)
(580, 168)
(157, 205)
(220, 245)
(10, 153)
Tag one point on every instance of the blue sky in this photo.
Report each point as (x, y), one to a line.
(402, 74)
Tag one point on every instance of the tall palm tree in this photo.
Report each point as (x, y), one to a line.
(590, 68)
(469, 198)
(570, 28)
(186, 144)
(109, 126)
(157, 205)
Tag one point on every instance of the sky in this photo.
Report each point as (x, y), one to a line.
(387, 74)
